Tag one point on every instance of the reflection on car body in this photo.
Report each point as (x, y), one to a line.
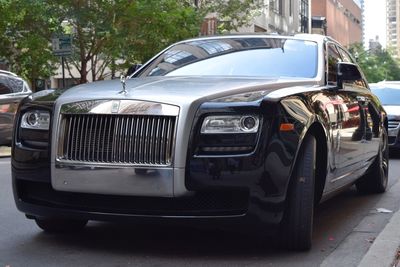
(253, 129)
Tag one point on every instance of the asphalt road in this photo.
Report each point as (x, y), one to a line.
(345, 227)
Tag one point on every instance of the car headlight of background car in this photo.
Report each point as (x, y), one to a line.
(34, 128)
(228, 134)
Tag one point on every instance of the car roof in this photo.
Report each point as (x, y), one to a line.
(306, 37)
(8, 73)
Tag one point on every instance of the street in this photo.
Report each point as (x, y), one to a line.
(347, 221)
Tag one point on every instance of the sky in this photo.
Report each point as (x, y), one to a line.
(375, 20)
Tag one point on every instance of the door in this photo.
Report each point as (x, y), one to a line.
(348, 137)
(370, 115)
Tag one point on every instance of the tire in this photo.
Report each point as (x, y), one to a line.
(297, 224)
(55, 225)
(376, 178)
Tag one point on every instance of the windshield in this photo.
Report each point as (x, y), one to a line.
(388, 96)
(264, 57)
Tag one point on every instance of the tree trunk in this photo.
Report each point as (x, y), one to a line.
(83, 72)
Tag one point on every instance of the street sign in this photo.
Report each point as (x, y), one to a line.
(62, 45)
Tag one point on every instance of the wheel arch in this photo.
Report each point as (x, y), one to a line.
(316, 129)
(321, 164)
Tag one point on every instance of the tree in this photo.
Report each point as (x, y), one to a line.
(232, 14)
(26, 28)
(107, 34)
(151, 25)
(377, 65)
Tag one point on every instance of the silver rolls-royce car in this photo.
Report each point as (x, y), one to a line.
(250, 130)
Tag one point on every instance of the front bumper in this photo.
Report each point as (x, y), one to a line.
(250, 188)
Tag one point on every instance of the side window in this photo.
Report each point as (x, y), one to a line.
(346, 57)
(11, 85)
(333, 58)
(5, 87)
(17, 85)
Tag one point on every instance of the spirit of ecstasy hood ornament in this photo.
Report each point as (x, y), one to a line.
(122, 78)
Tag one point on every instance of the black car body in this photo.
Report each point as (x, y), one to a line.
(248, 129)
(389, 94)
(12, 90)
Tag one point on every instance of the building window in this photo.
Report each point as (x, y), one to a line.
(303, 16)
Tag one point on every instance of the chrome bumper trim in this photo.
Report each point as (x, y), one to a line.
(114, 180)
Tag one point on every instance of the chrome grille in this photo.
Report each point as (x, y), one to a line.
(393, 124)
(106, 138)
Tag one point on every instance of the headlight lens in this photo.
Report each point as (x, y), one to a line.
(230, 124)
(36, 119)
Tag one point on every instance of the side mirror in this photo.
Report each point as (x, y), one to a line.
(347, 73)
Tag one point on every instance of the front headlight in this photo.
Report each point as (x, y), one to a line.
(230, 124)
(36, 119)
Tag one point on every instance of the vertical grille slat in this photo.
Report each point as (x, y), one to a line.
(168, 140)
(131, 140)
(151, 142)
(96, 137)
(141, 141)
(157, 142)
(110, 138)
(162, 141)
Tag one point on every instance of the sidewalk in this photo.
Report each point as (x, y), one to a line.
(385, 249)
(5, 151)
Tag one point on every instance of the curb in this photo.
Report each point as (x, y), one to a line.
(5, 151)
(384, 249)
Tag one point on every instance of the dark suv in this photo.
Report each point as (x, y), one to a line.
(12, 90)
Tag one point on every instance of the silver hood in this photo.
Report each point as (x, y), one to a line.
(176, 90)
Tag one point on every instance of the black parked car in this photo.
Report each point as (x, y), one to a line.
(12, 90)
(252, 129)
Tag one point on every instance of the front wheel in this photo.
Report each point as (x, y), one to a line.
(377, 176)
(58, 225)
(297, 223)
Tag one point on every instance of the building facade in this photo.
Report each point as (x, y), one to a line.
(363, 20)
(277, 16)
(343, 19)
(392, 25)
